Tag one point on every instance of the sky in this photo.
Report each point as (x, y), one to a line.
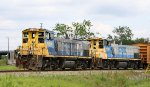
(105, 15)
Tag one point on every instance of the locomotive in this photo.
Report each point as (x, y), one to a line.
(40, 50)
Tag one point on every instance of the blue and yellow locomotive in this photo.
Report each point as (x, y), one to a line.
(40, 50)
(107, 55)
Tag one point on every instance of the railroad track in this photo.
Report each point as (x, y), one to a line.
(13, 71)
(5, 71)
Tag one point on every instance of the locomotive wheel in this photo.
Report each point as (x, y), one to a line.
(74, 68)
(18, 63)
(135, 66)
(109, 67)
(63, 68)
(84, 65)
(32, 65)
(126, 68)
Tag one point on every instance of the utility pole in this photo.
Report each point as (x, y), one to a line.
(8, 48)
(7, 58)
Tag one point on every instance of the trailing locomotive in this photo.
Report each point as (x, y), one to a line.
(40, 50)
(106, 55)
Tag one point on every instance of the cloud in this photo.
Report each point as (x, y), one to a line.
(16, 15)
(140, 32)
(101, 28)
(117, 8)
(7, 24)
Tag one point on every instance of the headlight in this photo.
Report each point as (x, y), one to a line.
(30, 52)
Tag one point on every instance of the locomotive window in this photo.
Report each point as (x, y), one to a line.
(51, 35)
(25, 34)
(41, 34)
(48, 36)
(94, 42)
(33, 35)
(41, 37)
(101, 44)
(106, 43)
(40, 40)
(25, 40)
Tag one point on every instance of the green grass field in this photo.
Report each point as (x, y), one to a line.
(8, 67)
(3, 62)
(126, 79)
(4, 66)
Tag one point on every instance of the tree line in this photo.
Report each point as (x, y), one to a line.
(123, 35)
(82, 30)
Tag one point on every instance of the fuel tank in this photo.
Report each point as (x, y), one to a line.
(68, 64)
(122, 65)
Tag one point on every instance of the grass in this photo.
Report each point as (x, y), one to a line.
(4, 66)
(128, 79)
(3, 62)
(8, 67)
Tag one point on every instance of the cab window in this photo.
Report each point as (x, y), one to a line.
(106, 43)
(25, 40)
(25, 37)
(101, 44)
(33, 34)
(41, 40)
(41, 37)
(94, 42)
(41, 34)
(48, 36)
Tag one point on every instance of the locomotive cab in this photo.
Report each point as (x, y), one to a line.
(34, 41)
(97, 47)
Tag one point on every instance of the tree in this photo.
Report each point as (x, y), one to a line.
(82, 30)
(122, 35)
(62, 30)
(141, 40)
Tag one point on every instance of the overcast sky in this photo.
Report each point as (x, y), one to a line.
(16, 15)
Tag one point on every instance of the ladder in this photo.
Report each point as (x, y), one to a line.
(148, 68)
